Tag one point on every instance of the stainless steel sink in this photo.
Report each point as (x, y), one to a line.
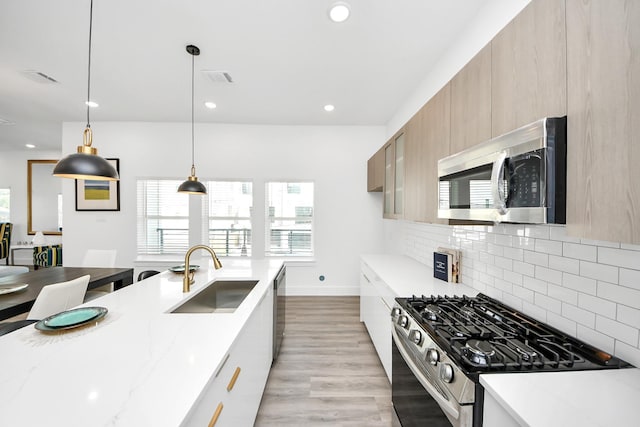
(221, 296)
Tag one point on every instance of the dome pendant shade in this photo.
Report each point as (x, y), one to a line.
(192, 186)
(86, 164)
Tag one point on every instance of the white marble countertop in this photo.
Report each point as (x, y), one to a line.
(603, 398)
(140, 366)
(406, 276)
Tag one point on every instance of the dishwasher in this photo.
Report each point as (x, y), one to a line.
(279, 286)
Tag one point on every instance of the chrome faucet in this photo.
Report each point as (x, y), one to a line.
(186, 282)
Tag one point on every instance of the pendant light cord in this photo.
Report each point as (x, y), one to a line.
(89, 66)
(193, 163)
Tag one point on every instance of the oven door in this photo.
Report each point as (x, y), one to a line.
(413, 405)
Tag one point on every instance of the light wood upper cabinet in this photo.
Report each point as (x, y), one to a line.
(471, 102)
(427, 141)
(375, 172)
(394, 171)
(528, 67)
(603, 123)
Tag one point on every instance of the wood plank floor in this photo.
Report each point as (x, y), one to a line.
(328, 372)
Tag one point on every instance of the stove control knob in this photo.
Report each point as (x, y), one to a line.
(433, 357)
(416, 336)
(446, 373)
(396, 312)
(403, 321)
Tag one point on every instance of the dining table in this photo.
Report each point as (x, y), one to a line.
(12, 304)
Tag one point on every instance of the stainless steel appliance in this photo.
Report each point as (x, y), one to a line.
(279, 286)
(517, 177)
(441, 345)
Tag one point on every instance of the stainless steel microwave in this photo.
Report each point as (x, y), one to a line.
(517, 177)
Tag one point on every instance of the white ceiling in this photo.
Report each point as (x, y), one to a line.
(285, 56)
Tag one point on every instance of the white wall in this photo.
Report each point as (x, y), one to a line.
(587, 289)
(489, 21)
(13, 175)
(346, 216)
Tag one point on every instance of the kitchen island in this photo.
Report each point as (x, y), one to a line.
(142, 365)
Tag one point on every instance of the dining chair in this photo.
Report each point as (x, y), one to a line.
(147, 273)
(52, 299)
(5, 240)
(47, 256)
(105, 258)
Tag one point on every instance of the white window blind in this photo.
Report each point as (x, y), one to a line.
(162, 218)
(227, 217)
(5, 205)
(289, 222)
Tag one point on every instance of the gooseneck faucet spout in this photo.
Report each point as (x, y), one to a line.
(186, 281)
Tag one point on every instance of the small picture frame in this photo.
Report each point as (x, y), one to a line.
(94, 195)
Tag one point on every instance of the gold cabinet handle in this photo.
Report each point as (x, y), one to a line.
(233, 379)
(216, 415)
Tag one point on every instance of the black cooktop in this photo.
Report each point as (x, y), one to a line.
(482, 334)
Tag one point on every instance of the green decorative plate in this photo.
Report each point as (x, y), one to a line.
(180, 268)
(71, 318)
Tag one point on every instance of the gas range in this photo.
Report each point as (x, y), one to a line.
(446, 342)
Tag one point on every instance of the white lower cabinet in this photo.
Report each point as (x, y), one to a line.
(376, 300)
(495, 415)
(233, 395)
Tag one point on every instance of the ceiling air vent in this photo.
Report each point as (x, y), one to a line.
(218, 76)
(38, 76)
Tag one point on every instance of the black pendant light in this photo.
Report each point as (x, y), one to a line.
(86, 164)
(192, 185)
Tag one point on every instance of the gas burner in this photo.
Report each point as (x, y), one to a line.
(527, 355)
(479, 352)
(468, 311)
(431, 312)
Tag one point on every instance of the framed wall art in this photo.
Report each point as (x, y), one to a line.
(92, 195)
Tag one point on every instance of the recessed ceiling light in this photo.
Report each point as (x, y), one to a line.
(329, 107)
(91, 104)
(210, 105)
(339, 11)
(29, 145)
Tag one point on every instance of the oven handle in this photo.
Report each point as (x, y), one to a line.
(498, 201)
(442, 402)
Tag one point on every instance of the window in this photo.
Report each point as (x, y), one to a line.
(227, 217)
(5, 205)
(163, 217)
(289, 222)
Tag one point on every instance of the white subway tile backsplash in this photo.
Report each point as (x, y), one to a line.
(618, 330)
(562, 323)
(548, 275)
(547, 303)
(580, 284)
(524, 268)
(503, 262)
(606, 273)
(619, 257)
(562, 294)
(548, 247)
(559, 232)
(523, 242)
(629, 354)
(579, 315)
(564, 264)
(534, 311)
(597, 305)
(619, 294)
(630, 278)
(629, 316)
(536, 258)
(587, 288)
(513, 277)
(596, 339)
(574, 250)
(535, 285)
